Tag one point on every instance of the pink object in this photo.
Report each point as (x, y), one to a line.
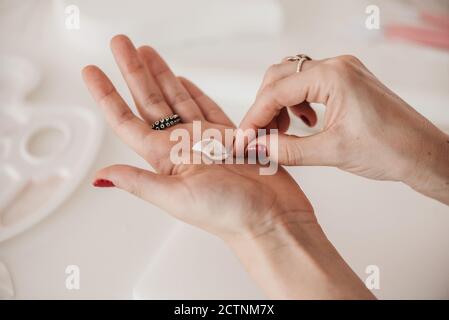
(436, 34)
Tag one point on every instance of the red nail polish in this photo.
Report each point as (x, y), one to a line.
(306, 121)
(251, 151)
(262, 150)
(103, 183)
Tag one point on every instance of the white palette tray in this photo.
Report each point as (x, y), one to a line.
(45, 150)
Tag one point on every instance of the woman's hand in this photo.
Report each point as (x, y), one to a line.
(368, 129)
(266, 220)
(226, 200)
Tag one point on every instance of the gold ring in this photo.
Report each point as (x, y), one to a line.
(300, 58)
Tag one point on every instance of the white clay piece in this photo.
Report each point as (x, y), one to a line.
(213, 149)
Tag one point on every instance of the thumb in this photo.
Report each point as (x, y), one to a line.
(146, 185)
(318, 149)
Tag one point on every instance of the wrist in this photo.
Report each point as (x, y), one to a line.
(295, 260)
(279, 233)
(278, 227)
(430, 175)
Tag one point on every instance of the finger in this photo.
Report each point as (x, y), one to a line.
(147, 96)
(279, 71)
(289, 91)
(177, 96)
(283, 120)
(273, 123)
(132, 130)
(210, 110)
(289, 150)
(284, 69)
(305, 112)
(152, 187)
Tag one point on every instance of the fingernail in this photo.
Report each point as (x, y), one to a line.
(306, 121)
(259, 150)
(250, 152)
(103, 183)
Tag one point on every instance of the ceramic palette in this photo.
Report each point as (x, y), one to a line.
(45, 151)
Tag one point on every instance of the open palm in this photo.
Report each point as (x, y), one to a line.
(224, 199)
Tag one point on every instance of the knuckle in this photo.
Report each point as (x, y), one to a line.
(345, 61)
(107, 98)
(269, 88)
(212, 113)
(338, 62)
(272, 69)
(179, 97)
(134, 66)
(350, 59)
(267, 77)
(343, 66)
(154, 98)
(123, 117)
(134, 186)
(271, 72)
(268, 95)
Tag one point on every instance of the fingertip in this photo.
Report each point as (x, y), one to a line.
(89, 70)
(118, 39)
(97, 82)
(146, 49)
(111, 176)
(103, 178)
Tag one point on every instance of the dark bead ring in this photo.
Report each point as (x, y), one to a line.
(166, 122)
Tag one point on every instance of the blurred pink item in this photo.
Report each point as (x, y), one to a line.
(434, 34)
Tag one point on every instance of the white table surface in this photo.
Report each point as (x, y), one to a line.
(114, 236)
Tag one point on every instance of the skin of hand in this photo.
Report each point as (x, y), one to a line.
(253, 213)
(368, 130)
